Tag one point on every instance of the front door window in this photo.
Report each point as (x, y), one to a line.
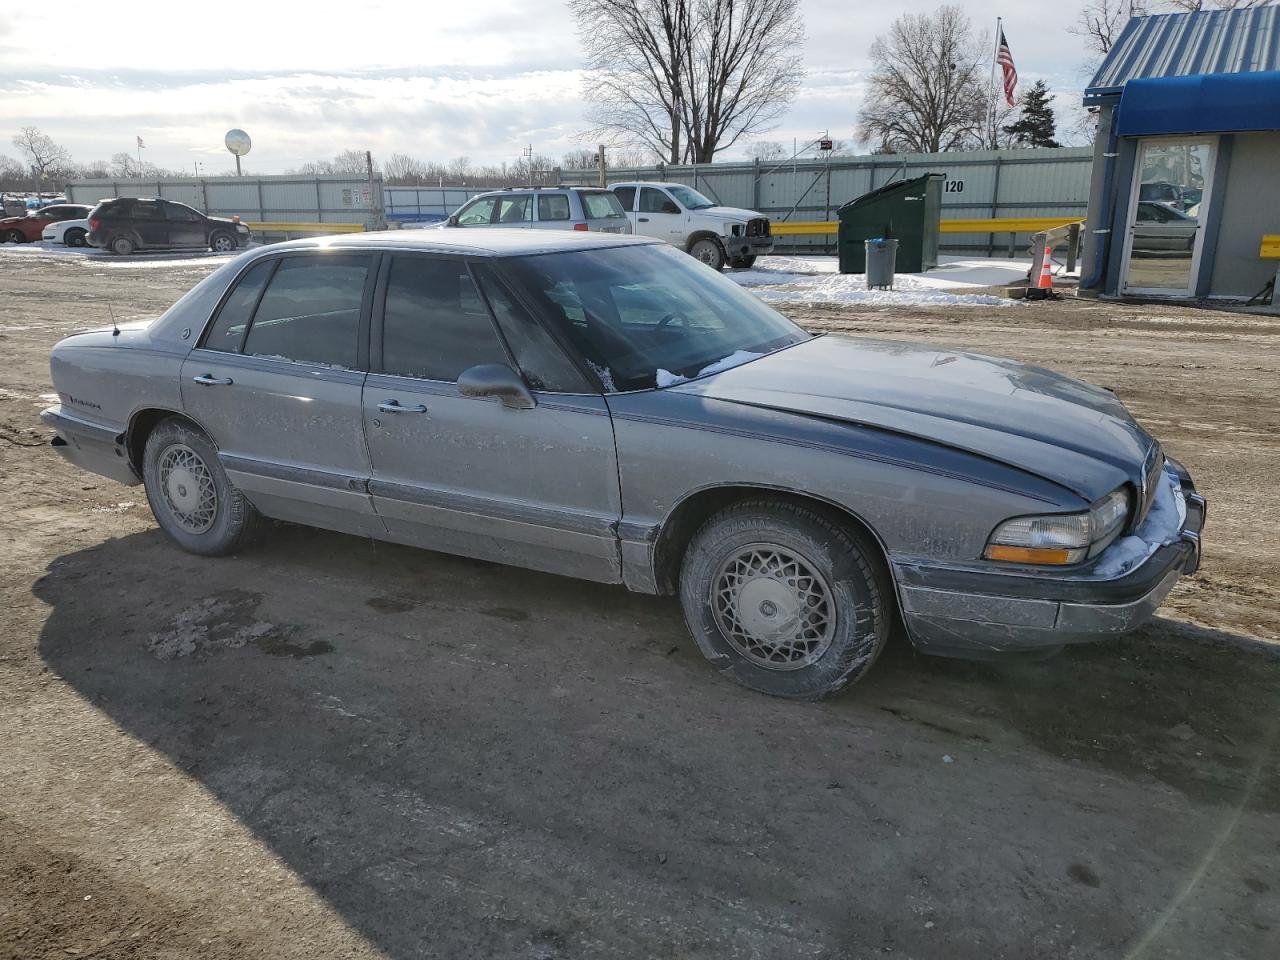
(1167, 216)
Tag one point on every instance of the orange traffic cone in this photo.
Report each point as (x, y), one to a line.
(1044, 283)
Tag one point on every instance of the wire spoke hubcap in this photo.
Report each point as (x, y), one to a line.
(188, 488)
(773, 607)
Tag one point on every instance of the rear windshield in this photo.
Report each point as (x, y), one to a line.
(602, 205)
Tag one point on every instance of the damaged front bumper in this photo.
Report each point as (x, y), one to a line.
(960, 611)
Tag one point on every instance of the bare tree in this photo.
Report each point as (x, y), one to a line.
(1100, 21)
(925, 93)
(767, 150)
(688, 78)
(46, 159)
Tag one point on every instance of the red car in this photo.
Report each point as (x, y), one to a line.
(29, 228)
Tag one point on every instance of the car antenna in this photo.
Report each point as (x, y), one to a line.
(115, 327)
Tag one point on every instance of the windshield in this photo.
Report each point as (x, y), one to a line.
(689, 198)
(646, 316)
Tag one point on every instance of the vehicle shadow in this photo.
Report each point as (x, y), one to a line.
(470, 760)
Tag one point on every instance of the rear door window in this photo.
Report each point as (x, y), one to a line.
(146, 210)
(515, 210)
(310, 312)
(228, 329)
(553, 206)
(434, 324)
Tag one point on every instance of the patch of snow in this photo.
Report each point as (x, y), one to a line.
(665, 378)
(605, 375)
(737, 358)
(1162, 526)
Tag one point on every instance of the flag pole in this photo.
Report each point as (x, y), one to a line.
(991, 86)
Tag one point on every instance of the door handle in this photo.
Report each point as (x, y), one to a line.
(393, 406)
(209, 380)
(643, 219)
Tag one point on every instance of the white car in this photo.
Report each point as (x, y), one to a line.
(73, 233)
(683, 217)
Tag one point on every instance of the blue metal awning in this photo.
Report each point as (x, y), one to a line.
(1208, 103)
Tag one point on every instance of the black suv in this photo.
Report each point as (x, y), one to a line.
(127, 224)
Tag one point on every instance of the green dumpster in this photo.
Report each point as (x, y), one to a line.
(905, 210)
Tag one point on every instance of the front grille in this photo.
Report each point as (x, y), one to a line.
(758, 227)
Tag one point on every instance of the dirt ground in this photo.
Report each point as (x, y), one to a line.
(327, 747)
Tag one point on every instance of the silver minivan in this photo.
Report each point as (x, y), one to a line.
(545, 208)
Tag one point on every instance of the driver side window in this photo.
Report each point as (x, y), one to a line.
(653, 201)
(477, 212)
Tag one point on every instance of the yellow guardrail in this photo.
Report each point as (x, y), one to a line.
(988, 225)
(305, 227)
(1270, 249)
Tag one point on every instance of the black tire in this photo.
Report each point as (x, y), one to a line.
(14, 236)
(222, 242)
(743, 263)
(838, 563)
(74, 238)
(121, 245)
(228, 526)
(709, 251)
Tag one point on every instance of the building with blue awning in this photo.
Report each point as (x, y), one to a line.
(1186, 173)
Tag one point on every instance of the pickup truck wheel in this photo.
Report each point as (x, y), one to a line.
(190, 495)
(222, 242)
(122, 246)
(743, 263)
(784, 600)
(709, 251)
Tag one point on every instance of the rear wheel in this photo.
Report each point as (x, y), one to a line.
(222, 243)
(784, 600)
(708, 251)
(14, 236)
(74, 238)
(122, 246)
(190, 495)
(743, 263)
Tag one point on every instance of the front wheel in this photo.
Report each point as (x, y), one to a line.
(708, 251)
(222, 243)
(190, 495)
(784, 600)
(74, 238)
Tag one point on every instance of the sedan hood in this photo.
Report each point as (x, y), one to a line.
(1064, 430)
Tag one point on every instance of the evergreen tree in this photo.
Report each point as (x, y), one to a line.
(1036, 126)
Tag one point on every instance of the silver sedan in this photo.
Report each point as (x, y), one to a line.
(607, 408)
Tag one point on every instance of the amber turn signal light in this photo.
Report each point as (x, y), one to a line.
(1050, 555)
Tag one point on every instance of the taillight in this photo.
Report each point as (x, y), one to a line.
(580, 226)
(95, 223)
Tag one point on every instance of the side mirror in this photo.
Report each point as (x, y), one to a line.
(669, 206)
(453, 220)
(496, 380)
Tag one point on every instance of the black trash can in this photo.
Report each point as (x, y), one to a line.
(882, 257)
(905, 210)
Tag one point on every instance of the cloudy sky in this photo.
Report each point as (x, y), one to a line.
(434, 79)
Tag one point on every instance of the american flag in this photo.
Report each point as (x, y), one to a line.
(1005, 59)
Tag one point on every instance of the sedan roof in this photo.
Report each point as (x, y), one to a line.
(495, 242)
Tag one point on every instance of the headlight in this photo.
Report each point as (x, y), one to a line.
(1062, 538)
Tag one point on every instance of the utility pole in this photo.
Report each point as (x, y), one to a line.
(375, 195)
(601, 166)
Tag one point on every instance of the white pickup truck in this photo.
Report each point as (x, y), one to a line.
(683, 217)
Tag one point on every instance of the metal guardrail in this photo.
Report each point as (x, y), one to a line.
(982, 225)
(287, 228)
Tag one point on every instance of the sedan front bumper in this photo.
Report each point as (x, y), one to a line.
(965, 613)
